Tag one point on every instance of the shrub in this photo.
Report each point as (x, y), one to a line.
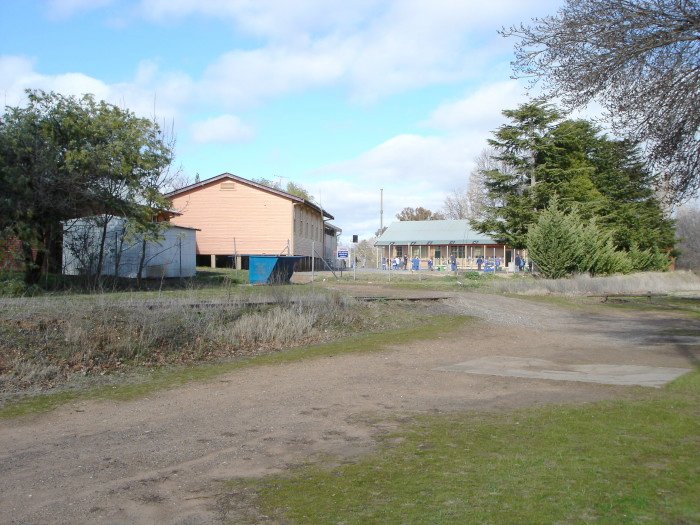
(16, 287)
(561, 245)
(647, 260)
(556, 242)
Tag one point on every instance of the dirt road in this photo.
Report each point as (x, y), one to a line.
(162, 459)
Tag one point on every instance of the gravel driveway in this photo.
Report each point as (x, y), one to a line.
(162, 459)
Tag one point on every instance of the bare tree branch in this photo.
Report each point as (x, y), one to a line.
(641, 60)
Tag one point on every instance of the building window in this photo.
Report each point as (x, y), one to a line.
(457, 251)
(438, 252)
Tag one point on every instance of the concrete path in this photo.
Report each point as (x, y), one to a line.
(627, 375)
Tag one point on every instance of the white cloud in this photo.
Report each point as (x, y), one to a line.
(268, 18)
(67, 8)
(416, 170)
(479, 109)
(221, 129)
(413, 170)
(411, 160)
(243, 77)
(17, 74)
(372, 48)
(148, 94)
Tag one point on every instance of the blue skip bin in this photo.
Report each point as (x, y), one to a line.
(271, 269)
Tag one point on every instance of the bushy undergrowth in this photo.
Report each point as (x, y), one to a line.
(15, 287)
(562, 244)
(584, 284)
(44, 341)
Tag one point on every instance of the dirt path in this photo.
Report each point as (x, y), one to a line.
(162, 459)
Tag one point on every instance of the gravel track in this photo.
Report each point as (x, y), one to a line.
(164, 458)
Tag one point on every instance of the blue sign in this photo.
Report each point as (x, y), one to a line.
(343, 253)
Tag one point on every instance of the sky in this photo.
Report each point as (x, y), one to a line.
(343, 97)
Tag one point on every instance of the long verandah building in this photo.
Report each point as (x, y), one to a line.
(439, 241)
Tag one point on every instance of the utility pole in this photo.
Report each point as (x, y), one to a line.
(381, 210)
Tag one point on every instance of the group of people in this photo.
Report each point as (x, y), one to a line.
(482, 263)
(492, 264)
(401, 263)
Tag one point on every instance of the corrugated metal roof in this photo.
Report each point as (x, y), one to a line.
(432, 232)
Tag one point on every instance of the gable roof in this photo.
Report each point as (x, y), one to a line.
(236, 178)
(432, 232)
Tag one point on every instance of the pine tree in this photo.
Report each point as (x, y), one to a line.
(562, 244)
(555, 242)
(543, 155)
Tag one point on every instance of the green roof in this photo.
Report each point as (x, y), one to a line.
(432, 232)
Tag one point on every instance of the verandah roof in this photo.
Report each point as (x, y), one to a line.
(432, 232)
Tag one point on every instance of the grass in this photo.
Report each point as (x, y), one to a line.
(581, 285)
(45, 341)
(687, 306)
(174, 376)
(12, 284)
(682, 306)
(609, 462)
(423, 280)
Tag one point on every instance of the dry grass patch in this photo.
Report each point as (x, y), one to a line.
(46, 342)
(633, 284)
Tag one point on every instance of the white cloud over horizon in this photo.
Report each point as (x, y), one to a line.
(148, 94)
(223, 129)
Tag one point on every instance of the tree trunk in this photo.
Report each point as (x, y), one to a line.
(100, 255)
(33, 263)
(142, 263)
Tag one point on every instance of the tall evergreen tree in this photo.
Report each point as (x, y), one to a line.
(549, 156)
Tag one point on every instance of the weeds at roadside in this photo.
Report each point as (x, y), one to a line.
(46, 342)
(146, 381)
(582, 285)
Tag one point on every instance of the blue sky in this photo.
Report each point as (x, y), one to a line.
(341, 97)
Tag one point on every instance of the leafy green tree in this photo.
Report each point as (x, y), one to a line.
(418, 214)
(542, 155)
(299, 191)
(292, 188)
(64, 157)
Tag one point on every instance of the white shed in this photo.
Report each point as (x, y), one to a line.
(172, 255)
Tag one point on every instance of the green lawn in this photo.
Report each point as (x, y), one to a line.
(610, 462)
